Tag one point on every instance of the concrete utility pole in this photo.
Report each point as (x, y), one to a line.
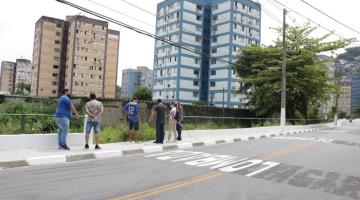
(283, 78)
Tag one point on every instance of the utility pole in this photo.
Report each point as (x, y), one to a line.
(223, 90)
(283, 78)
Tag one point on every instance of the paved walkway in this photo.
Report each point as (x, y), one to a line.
(25, 157)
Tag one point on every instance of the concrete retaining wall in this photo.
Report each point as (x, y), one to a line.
(28, 141)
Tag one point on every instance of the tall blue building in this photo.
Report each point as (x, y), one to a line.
(219, 28)
(355, 92)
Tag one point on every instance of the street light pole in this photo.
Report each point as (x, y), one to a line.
(223, 91)
(283, 78)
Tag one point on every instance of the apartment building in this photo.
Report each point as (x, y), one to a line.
(133, 78)
(78, 53)
(49, 56)
(7, 77)
(355, 93)
(219, 28)
(23, 71)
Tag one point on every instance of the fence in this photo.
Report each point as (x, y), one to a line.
(45, 123)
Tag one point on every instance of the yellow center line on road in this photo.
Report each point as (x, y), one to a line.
(289, 150)
(207, 176)
(171, 186)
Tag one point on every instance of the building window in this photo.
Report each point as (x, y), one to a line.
(58, 33)
(196, 72)
(234, 48)
(213, 72)
(58, 25)
(196, 61)
(215, 7)
(242, 28)
(197, 38)
(212, 84)
(55, 75)
(57, 42)
(100, 77)
(215, 18)
(214, 39)
(54, 83)
(196, 83)
(215, 28)
(198, 17)
(235, 36)
(55, 66)
(214, 50)
(213, 61)
(56, 58)
(198, 28)
(198, 7)
(195, 94)
(54, 91)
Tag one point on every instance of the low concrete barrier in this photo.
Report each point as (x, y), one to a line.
(39, 141)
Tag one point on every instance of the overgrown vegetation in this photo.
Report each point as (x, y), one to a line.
(10, 124)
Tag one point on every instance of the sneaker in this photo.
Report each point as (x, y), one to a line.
(97, 147)
(86, 146)
(65, 147)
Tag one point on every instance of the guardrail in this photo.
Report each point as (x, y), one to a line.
(45, 123)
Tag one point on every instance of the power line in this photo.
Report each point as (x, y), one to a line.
(121, 13)
(138, 7)
(301, 15)
(111, 9)
(140, 31)
(322, 12)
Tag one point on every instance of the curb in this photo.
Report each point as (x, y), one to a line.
(57, 159)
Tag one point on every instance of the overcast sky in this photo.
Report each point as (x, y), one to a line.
(18, 17)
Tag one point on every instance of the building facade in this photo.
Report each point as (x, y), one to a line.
(355, 92)
(7, 77)
(78, 53)
(23, 71)
(219, 28)
(133, 78)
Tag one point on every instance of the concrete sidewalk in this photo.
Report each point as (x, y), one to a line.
(195, 138)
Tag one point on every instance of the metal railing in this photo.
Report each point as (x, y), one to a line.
(34, 123)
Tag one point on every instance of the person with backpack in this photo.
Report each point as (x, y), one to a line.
(132, 110)
(179, 120)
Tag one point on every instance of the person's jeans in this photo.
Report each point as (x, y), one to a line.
(63, 124)
(160, 132)
(178, 129)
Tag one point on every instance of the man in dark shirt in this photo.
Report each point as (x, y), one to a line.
(159, 110)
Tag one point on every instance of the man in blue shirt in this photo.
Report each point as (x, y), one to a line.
(63, 115)
(132, 110)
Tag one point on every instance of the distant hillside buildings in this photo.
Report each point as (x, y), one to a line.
(13, 73)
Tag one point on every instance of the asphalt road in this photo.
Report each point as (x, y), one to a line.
(322, 165)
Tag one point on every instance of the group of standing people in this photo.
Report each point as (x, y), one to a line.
(159, 110)
(94, 109)
(63, 115)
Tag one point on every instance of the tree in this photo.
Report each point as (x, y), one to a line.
(307, 84)
(143, 93)
(22, 89)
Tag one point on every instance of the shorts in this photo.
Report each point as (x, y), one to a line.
(90, 125)
(133, 125)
